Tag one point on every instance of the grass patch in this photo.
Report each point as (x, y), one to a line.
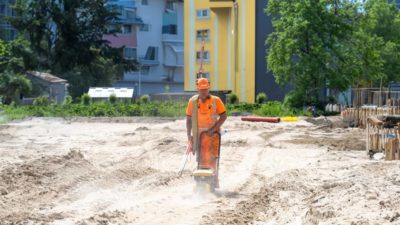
(273, 109)
(120, 109)
(98, 109)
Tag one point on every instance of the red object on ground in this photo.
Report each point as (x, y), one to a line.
(262, 119)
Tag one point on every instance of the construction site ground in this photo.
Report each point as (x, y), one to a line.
(125, 171)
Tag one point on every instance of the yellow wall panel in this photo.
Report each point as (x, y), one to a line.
(222, 46)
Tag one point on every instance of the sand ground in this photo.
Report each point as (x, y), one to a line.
(124, 171)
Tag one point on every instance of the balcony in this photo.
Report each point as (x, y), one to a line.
(127, 12)
(126, 20)
(174, 54)
(148, 62)
(122, 3)
(221, 3)
(151, 57)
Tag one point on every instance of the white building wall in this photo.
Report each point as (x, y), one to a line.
(152, 14)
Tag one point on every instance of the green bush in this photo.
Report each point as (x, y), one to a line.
(293, 100)
(144, 99)
(86, 100)
(242, 107)
(332, 99)
(233, 98)
(77, 100)
(161, 109)
(68, 100)
(261, 98)
(112, 98)
(41, 101)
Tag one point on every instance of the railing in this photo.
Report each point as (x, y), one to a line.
(125, 3)
(148, 62)
(129, 20)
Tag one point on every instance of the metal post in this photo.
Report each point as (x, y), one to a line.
(140, 80)
(236, 12)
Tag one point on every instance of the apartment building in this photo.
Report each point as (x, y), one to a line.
(234, 58)
(151, 33)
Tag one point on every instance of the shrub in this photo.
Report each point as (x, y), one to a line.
(233, 98)
(41, 101)
(112, 98)
(77, 100)
(273, 109)
(86, 99)
(261, 98)
(68, 100)
(293, 100)
(145, 99)
(332, 99)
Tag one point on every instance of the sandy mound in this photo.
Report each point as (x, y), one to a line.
(347, 143)
(38, 183)
(125, 171)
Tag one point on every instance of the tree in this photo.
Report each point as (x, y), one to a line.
(67, 36)
(16, 56)
(308, 45)
(33, 21)
(381, 26)
(12, 85)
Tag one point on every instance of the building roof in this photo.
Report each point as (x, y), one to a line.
(100, 92)
(46, 77)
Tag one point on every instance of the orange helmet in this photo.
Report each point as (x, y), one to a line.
(202, 83)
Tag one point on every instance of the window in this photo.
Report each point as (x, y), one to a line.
(130, 53)
(127, 29)
(145, 27)
(145, 70)
(151, 53)
(130, 14)
(2, 9)
(170, 6)
(113, 28)
(202, 14)
(145, 2)
(206, 34)
(170, 29)
(206, 56)
(204, 75)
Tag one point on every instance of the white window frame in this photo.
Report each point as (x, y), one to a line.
(206, 75)
(207, 38)
(133, 13)
(130, 48)
(205, 53)
(145, 30)
(200, 14)
(173, 6)
(124, 31)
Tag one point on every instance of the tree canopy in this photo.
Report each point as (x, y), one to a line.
(66, 37)
(334, 44)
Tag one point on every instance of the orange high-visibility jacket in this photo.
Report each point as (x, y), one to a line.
(204, 115)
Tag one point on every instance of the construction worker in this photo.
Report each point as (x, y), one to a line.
(205, 113)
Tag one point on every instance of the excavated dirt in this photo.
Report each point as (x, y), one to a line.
(343, 140)
(125, 171)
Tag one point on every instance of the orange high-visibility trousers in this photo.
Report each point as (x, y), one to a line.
(209, 152)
